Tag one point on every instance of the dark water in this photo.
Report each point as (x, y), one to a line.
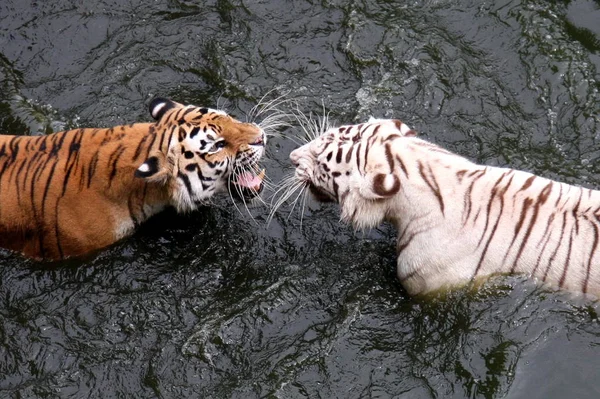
(214, 305)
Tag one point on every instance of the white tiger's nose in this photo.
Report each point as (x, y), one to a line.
(295, 157)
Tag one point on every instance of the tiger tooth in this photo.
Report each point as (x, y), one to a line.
(261, 175)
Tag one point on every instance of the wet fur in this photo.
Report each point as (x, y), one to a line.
(457, 221)
(72, 192)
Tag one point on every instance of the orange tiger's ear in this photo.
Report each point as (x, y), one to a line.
(154, 169)
(380, 186)
(159, 106)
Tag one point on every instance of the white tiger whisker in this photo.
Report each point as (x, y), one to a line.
(289, 187)
(303, 210)
(312, 127)
(285, 184)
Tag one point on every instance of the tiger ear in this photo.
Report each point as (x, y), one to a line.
(153, 169)
(404, 129)
(380, 186)
(159, 106)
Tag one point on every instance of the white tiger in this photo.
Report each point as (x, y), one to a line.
(457, 221)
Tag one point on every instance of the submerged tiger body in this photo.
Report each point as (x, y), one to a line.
(457, 221)
(72, 192)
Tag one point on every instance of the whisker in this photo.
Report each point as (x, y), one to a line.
(256, 197)
(256, 169)
(303, 209)
(286, 183)
(289, 187)
(273, 104)
(269, 106)
(225, 104)
(312, 127)
(294, 203)
(285, 187)
(229, 185)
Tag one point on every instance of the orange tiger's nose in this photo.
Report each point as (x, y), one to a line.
(259, 141)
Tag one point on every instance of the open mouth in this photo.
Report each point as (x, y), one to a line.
(246, 184)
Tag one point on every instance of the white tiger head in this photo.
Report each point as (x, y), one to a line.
(354, 166)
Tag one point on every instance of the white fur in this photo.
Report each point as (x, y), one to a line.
(453, 227)
(124, 228)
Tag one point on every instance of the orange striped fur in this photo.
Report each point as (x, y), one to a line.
(73, 192)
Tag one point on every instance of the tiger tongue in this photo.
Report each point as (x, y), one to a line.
(250, 180)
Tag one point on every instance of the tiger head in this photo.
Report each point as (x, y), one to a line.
(353, 165)
(208, 151)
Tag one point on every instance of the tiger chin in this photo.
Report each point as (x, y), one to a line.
(70, 193)
(457, 221)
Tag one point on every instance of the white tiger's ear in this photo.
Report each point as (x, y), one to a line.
(405, 130)
(159, 106)
(380, 186)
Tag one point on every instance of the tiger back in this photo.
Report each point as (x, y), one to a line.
(72, 192)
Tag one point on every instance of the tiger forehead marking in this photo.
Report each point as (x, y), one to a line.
(457, 221)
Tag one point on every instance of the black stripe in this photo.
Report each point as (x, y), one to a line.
(338, 156)
(24, 162)
(562, 233)
(113, 172)
(493, 232)
(402, 166)
(545, 193)
(194, 132)
(92, 168)
(592, 252)
(576, 211)
(433, 185)
(162, 138)
(138, 149)
(563, 278)
(469, 192)
(186, 181)
(28, 168)
(13, 144)
(151, 144)
(358, 156)
(389, 157)
(42, 209)
(543, 250)
(73, 149)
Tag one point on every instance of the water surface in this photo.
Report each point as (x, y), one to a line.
(213, 304)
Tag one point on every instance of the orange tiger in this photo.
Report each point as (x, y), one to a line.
(457, 221)
(69, 193)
